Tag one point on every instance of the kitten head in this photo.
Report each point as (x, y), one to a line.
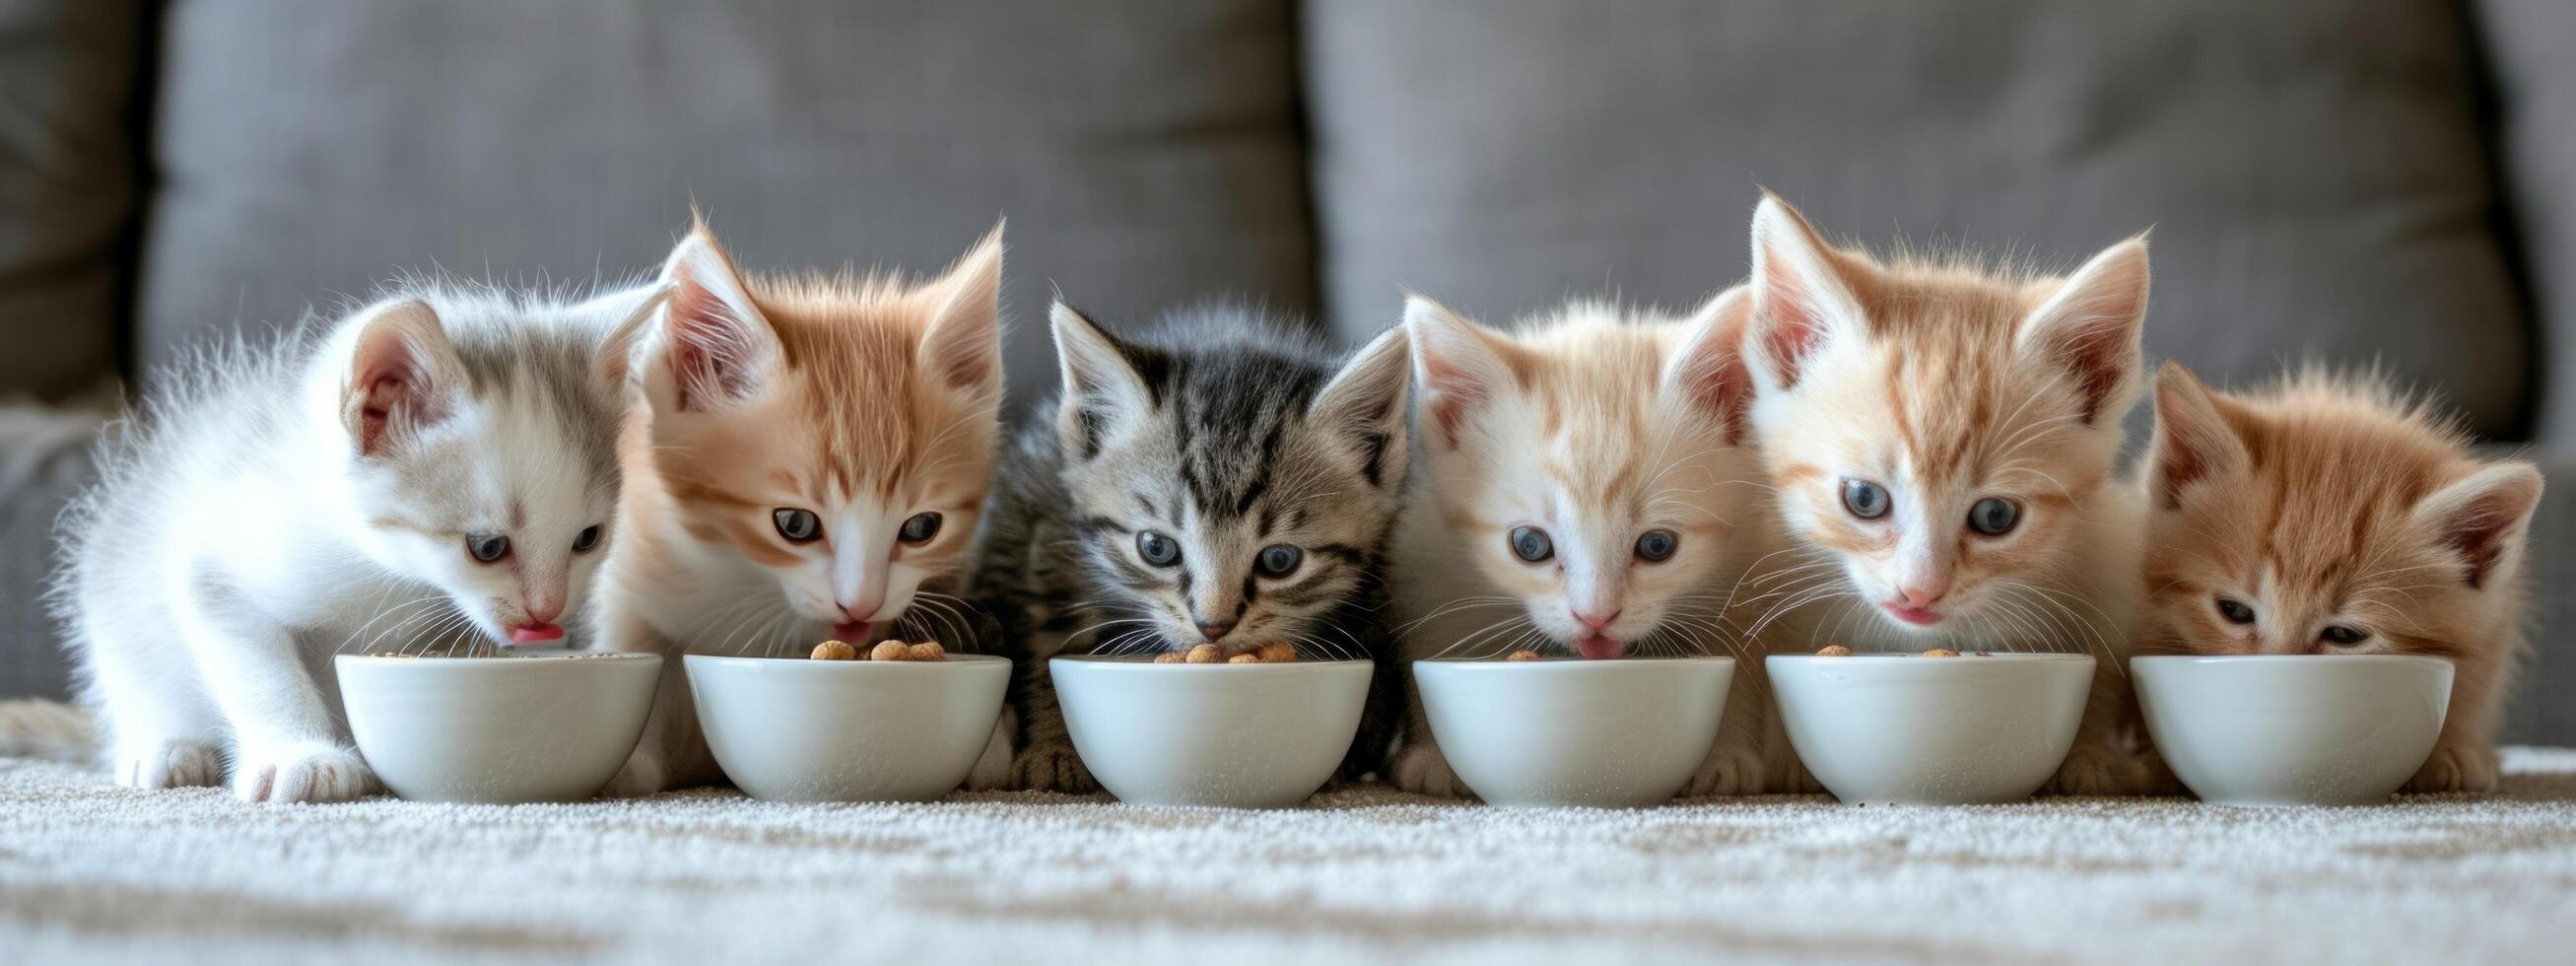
(1233, 492)
(2326, 516)
(481, 430)
(1944, 433)
(836, 433)
(1592, 466)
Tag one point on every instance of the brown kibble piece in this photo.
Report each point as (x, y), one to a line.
(1206, 654)
(835, 651)
(1523, 656)
(889, 651)
(1170, 657)
(1246, 657)
(1940, 652)
(926, 651)
(1277, 652)
(1833, 650)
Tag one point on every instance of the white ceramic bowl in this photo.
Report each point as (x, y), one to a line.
(1605, 734)
(1229, 735)
(1912, 730)
(497, 729)
(800, 730)
(2303, 729)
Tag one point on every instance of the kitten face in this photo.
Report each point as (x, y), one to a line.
(1590, 467)
(1944, 434)
(485, 464)
(1232, 497)
(835, 435)
(2325, 517)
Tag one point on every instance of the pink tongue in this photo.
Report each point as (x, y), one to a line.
(1597, 648)
(531, 635)
(854, 632)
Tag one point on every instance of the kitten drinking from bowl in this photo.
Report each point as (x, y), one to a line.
(2329, 515)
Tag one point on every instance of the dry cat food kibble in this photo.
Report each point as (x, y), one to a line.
(1833, 650)
(1940, 652)
(1523, 656)
(835, 651)
(1171, 657)
(1206, 654)
(1275, 652)
(889, 651)
(1246, 657)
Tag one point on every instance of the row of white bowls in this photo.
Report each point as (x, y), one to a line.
(1628, 733)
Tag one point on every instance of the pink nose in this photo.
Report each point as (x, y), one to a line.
(1596, 621)
(1923, 595)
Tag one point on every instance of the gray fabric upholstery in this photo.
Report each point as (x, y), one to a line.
(310, 147)
(2315, 174)
(44, 459)
(2528, 43)
(67, 187)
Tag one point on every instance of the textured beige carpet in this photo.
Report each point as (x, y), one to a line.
(89, 872)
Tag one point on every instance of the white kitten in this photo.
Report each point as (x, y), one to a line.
(440, 465)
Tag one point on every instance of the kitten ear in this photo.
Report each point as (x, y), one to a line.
(1364, 405)
(963, 345)
(2484, 517)
(1801, 301)
(1102, 389)
(1462, 367)
(2193, 442)
(635, 312)
(1708, 368)
(718, 346)
(403, 377)
(2090, 327)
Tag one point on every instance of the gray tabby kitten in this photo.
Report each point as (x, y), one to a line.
(1216, 482)
(438, 467)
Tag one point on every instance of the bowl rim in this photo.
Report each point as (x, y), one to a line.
(524, 660)
(1131, 661)
(749, 661)
(1969, 657)
(2173, 660)
(1564, 664)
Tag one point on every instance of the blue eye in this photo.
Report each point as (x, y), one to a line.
(1864, 499)
(920, 528)
(1157, 549)
(487, 547)
(588, 537)
(1278, 560)
(1531, 544)
(1994, 516)
(2236, 613)
(1657, 546)
(797, 526)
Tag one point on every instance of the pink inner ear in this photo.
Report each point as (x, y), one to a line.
(376, 405)
(2178, 465)
(705, 348)
(1790, 329)
(1720, 384)
(2094, 355)
(2478, 531)
(1453, 392)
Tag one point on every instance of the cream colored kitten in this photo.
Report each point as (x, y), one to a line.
(2328, 515)
(1581, 489)
(1943, 438)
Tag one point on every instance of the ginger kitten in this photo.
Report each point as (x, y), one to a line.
(1584, 488)
(2329, 515)
(1942, 439)
(812, 459)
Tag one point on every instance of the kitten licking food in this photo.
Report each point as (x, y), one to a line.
(1941, 439)
(1216, 483)
(2329, 515)
(438, 467)
(811, 464)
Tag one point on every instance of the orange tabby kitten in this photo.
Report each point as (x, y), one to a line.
(1942, 439)
(2329, 515)
(814, 457)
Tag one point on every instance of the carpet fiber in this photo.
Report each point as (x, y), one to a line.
(90, 872)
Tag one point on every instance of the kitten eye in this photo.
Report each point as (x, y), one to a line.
(585, 540)
(1531, 544)
(1994, 516)
(798, 526)
(2236, 613)
(2341, 635)
(1278, 560)
(1157, 549)
(1864, 499)
(920, 528)
(486, 548)
(1657, 546)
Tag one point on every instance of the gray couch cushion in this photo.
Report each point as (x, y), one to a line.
(44, 459)
(2314, 172)
(310, 147)
(2527, 43)
(67, 188)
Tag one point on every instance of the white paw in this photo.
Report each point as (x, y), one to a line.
(1728, 771)
(2455, 769)
(993, 769)
(169, 764)
(1052, 767)
(642, 775)
(311, 773)
(1421, 768)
